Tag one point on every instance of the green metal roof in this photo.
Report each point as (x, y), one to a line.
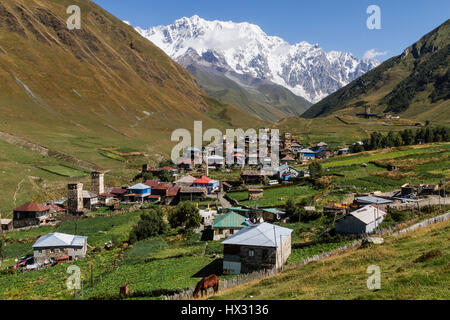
(239, 209)
(230, 220)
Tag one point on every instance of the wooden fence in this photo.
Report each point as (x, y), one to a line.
(257, 275)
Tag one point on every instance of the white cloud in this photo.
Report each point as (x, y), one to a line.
(373, 53)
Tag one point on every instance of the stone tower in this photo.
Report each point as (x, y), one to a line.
(75, 197)
(97, 186)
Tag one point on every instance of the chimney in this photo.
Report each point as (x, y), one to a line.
(97, 184)
(75, 197)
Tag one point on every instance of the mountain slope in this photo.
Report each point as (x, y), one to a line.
(104, 79)
(77, 92)
(261, 98)
(303, 68)
(415, 84)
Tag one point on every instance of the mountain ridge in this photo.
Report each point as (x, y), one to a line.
(410, 84)
(303, 68)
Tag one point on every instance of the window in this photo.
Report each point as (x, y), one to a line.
(251, 253)
(52, 250)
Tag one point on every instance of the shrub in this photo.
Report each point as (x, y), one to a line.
(185, 215)
(151, 224)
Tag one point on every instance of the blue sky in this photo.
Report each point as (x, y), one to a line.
(334, 25)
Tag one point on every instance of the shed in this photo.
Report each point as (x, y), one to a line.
(363, 220)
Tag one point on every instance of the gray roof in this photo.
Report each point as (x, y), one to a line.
(306, 151)
(368, 214)
(374, 200)
(57, 239)
(260, 235)
(88, 194)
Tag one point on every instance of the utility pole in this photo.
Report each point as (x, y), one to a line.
(276, 246)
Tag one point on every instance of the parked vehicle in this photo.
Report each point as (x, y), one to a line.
(273, 182)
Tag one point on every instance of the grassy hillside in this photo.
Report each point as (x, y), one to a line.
(77, 92)
(404, 275)
(415, 84)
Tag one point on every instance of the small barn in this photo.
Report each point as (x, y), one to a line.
(256, 247)
(6, 225)
(361, 221)
(192, 193)
(253, 177)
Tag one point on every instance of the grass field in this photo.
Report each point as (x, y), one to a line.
(64, 171)
(276, 196)
(403, 275)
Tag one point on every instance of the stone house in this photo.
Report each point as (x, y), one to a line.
(30, 214)
(256, 247)
(59, 246)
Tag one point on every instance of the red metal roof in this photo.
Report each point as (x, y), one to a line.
(151, 183)
(173, 191)
(32, 207)
(168, 168)
(203, 179)
(118, 191)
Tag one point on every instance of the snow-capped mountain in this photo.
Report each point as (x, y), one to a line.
(244, 49)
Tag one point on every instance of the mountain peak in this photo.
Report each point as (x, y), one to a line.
(303, 68)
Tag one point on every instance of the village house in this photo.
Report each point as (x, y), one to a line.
(288, 159)
(409, 190)
(90, 200)
(138, 193)
(227, 224)
(172, 195)
(296, 147)
(205, 182)
(322, 145)
(30, 214)
(185, 164)
(343, 151)
(157, 188)
(307, 154)
(119, 193)
(256, 247)
(253, 177)
(192, 193)
(59, 247)
(361, 221)
(107, 199)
